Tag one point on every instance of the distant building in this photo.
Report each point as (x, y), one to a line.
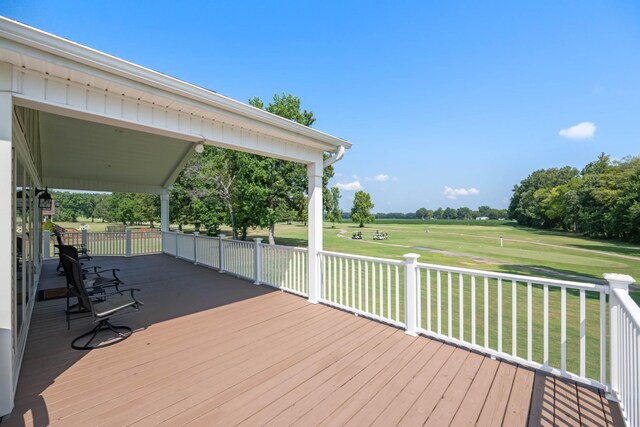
(482, 218)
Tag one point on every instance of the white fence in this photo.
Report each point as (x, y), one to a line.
(553, 325)
(282, 267)
(128, 243)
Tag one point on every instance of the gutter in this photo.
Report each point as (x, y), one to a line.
(337, 156)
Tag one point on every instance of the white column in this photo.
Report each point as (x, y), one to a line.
(7, 241)
(164, 210)
(314, 227)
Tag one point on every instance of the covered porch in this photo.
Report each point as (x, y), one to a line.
(213, 349)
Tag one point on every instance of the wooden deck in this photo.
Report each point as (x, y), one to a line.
(210, 349)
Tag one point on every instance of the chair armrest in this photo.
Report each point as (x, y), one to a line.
(119, 292)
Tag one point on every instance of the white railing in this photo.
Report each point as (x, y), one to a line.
(282, 267)
(554, 325)
(625, 348)
(364, 285)
(529, 320)
(239, 258)
(128, 243)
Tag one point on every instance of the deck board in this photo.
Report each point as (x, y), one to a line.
(211, 349)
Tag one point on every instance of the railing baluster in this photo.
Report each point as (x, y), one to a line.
(353, 283)
(514, 317)
(439, 301)
(563, 329)
(500, 315)
(360, 284)
(366, 286)
(428, 301)
(449, 306)
(335, 280)
(461, 305)
(583, 334)
(380, 289)
(398, 294)
(603, 337)
(388, 291)
(545, 317)
(473, 309)
(529, 322)
(346, 289)
(486, 311)
(340, 275)
(373, 293)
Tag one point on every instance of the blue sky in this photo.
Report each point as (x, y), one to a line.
(446, 103)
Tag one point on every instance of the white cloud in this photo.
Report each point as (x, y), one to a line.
(584, 130)
(381, 177)
(454, 193)
(349, 186)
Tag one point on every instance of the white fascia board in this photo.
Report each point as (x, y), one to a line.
(46, 42)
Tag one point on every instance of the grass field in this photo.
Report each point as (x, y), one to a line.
(524, 250)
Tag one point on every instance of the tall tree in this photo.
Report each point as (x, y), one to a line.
(332, 206)
(361, 210)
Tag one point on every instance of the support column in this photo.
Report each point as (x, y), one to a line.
(164, 211)
(7, 241)
(314, 227)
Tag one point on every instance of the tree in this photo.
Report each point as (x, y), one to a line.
(332, 206)
(464, 213)
(421, 213)
(438, 213)
(361, 210)
(450, 213)
(279, 184)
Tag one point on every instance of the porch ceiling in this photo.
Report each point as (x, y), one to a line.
(84, 155)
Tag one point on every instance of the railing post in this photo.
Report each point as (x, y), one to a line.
(221, 251)
(410, 294)
(84, 238)
(127, 243)
(621, 282)
(258, 260)
(195, 246)
(46, 244)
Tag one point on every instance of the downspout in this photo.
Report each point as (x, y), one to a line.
(338, 155)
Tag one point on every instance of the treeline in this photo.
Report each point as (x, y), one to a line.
(463, 213)
(602, 200)
(127, 208)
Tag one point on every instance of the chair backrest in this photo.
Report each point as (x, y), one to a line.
(58, 237)
(68, 250)
(73, 271)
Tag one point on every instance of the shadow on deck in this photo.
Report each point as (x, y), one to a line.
(211, 349)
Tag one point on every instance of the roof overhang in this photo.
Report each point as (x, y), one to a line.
(88, 99)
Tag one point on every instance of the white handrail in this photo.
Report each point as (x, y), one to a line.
(518, 277)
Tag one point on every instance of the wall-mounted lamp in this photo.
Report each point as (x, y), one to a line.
(199, 148)
(44, 198)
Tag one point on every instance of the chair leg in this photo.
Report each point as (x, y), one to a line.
(121, 332)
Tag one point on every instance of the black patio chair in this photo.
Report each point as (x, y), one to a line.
(102, 306)
(93, 279)
(83, 253)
